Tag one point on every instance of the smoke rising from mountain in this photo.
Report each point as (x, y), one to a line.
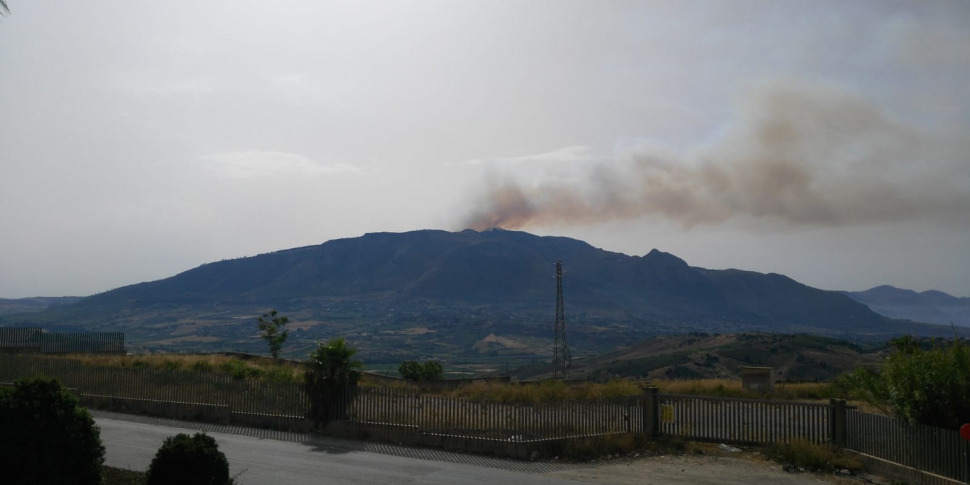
(797, 154)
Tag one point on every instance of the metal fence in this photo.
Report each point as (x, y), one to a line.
(31, 339)
(730, 420)
(242, 396)
(520, 421)
(934, 450)
(281, 403)
(743, 421)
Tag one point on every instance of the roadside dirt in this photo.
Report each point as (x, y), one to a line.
(690, 470)
(713, 467)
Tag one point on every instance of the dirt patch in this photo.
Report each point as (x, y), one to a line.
(695, 470)
(482, 344)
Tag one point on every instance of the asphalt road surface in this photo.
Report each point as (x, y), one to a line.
(270, 457)
(274, 457)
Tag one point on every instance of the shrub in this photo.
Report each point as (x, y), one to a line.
(924, 386)
(189, 460)
(239, 369)
(331, 376)
(414, 371)
(46, 437)
(202, 365)
(280, 373)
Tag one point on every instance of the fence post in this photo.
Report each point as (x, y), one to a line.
(650, 415)
(837, 414)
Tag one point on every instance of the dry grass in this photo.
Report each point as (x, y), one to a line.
(732, 388)
(811, 456)
(265, 369)
(583, 449)
(544, 391)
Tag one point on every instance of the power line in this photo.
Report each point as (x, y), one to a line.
(560, 351)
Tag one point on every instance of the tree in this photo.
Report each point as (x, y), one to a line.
(410, 370)
(415, 371)
(4, 9)
(928, 386)
(331, 375)
(189, 460)
(46, 437)
(274, 332)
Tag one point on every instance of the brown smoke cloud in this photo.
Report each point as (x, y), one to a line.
(800, 155)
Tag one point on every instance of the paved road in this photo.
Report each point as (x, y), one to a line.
(268, 457)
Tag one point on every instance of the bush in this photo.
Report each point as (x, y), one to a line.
(46, 437)
(923, 386)
(189, 460)
(239, 369)
(330, 379)
(414, 371)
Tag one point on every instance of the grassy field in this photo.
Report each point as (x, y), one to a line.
(803, 391)
(287, 371)
(263, 368)
(545, 391)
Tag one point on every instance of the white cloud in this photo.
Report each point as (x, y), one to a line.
(258, 164)
(571, 154)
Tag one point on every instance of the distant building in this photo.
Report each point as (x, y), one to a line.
(759, 379)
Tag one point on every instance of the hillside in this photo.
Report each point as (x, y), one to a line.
(929, 306)
(36, 304)
(439, 294)
(798, 357)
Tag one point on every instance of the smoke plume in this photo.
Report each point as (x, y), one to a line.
(800, 155)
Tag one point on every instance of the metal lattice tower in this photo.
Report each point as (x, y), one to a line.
(560, 352)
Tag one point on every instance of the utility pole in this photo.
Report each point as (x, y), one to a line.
(560, 352)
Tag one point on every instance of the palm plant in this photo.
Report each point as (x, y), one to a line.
(331, 376)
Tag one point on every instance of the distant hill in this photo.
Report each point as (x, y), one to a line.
(929, 306)
(436, 293)
(798, 357)
(35, 304)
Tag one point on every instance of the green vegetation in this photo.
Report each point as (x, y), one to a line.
(922, 385)
(189, 460)
(274, 332)
(47, 436)
(415, 371)
(330, 370)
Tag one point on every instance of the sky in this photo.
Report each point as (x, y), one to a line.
(824, 140)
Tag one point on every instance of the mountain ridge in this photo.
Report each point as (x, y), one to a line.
(931, 306)
(460, 288)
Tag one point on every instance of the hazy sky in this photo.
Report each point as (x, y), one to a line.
(827, 141)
